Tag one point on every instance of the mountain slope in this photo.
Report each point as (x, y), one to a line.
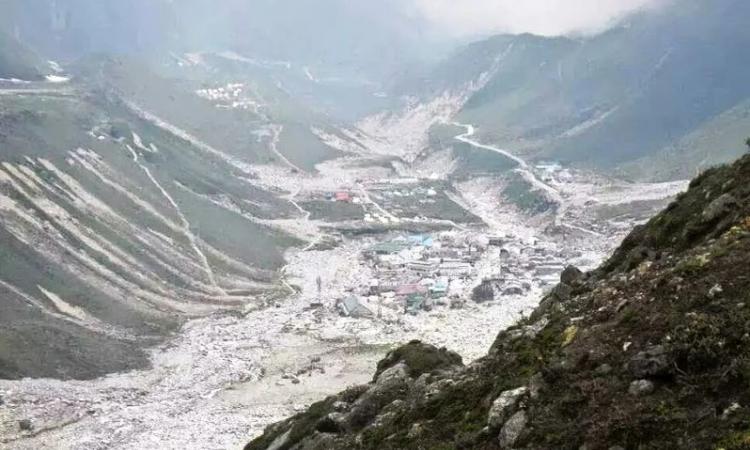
(362, 41)
(648, 351)
(635, 91)
(115, 230)
(18, 61)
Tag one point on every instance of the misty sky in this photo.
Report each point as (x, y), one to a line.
(545, 17)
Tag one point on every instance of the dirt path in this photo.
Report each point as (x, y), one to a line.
(276, 131)
(524, 169)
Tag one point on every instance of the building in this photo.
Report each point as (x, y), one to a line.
(421, 240)
(439, 289)
(352, 307)
(445, 252)
(406, 290)
(414, 303)
(496, 241)
(343, 197)
(455, 269)
(388, 286)
(387, 248)
(422, 267)
(374, 286)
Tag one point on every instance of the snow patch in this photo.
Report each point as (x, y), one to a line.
(63, 306)
(57, 79)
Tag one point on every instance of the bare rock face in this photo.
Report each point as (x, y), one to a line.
(392, 384)
(512, 430)
(504, 405)
(280, 441)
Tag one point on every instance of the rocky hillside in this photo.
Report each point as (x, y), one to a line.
(650, 351)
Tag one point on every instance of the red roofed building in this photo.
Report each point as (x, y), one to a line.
(410, 289)
(343, 197)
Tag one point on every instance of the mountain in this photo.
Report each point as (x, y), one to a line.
(18, 61)
(118, 226)
(361, 41)
(130, 200)
(650, 90)
(648, 351)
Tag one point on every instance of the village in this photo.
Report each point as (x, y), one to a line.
(383, 261)
(415, 246)
(412, 273)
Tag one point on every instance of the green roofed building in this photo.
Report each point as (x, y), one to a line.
(414, 303)
(387, 248)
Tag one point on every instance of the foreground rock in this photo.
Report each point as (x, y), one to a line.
(637, 354)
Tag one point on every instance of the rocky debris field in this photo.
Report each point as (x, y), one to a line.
(648, 351)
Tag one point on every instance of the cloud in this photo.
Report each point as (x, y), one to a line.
(544, 17)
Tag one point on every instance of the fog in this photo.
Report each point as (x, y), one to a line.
(355, 36)
(543, 17)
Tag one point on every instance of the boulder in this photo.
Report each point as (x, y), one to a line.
(415, 431)
(340, 406)
(603, 370)
(331, 423)
(536, 385)
(419, 358)
(512, 430)
(571, 275)
(718, 208)
(484, 292)
(504, 405)
(562, 292)
(715, 291)
(392, 384)
(281, 441)
(25, 425)
(652, 362)
(640, 388)
(438, 387)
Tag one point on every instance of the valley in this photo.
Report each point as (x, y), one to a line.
(214, 217)
(222, 378)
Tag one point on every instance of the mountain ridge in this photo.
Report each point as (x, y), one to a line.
(646, 90)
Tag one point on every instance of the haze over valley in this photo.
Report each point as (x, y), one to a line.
(213, 216)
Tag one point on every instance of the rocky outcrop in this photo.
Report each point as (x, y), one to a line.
(650, 351)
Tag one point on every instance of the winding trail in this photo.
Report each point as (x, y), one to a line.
(276, 130)
(291, 199)
(185, 224)
(523, 167)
